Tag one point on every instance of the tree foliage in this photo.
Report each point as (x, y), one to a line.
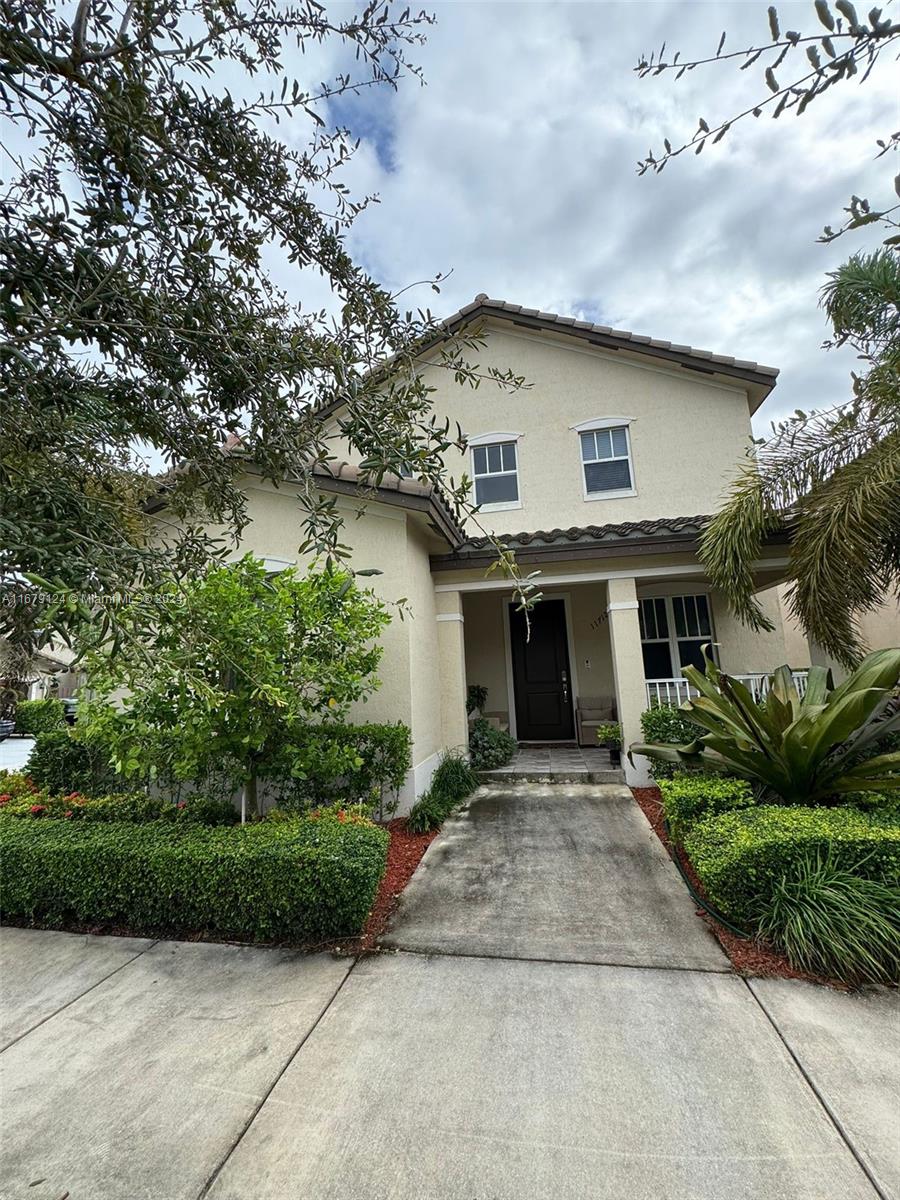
(832, 475)
(841, 48)
(159, 161)
(235, 663)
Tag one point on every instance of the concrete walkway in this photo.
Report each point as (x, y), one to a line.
(135, 1070)
(559, 873)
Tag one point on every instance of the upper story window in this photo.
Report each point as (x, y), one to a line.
(606, 465)
(607, 462)
(495, 472)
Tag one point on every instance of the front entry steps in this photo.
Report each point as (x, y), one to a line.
(556, 764)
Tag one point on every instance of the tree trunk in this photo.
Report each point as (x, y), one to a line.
(249, 798)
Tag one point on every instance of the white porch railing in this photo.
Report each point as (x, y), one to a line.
(676, 691)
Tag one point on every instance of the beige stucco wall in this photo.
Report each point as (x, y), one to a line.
(742, 650)
(880, 629)
(688, 433)
(397, 544)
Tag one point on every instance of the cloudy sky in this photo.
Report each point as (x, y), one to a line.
(514, 169)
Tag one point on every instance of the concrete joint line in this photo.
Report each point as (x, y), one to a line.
(557, 962)
(75, 999)
(826, 1108)
(204, 1191)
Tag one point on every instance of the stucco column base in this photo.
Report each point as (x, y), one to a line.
(628, 672)
(452, 670)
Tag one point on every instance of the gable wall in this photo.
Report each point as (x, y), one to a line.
(688, 434)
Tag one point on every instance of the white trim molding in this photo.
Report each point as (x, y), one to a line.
(622, 605)
(487, 439)
(451, 617)
(601, 423)
(695, 569)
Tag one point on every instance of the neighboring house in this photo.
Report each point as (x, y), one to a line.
(601, 474)
(45, 673)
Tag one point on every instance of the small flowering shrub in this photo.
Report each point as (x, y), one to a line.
(303, 878)
(16, 785)
(20, 798)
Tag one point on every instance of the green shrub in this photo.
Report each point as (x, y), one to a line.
(428, 812)
(689, 798)
(453, 778)
(339, 764)
(452, 781)
(741, 856)
(65, 761)
(476, 698)
(609, 733)
(833, 921)
(489, 747)
(308, 879)
(666, 723)
(133, 807)
(40, 716)
(808, 749)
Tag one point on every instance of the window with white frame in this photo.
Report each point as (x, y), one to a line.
(606, 460)
(674, 630)
(496, 474)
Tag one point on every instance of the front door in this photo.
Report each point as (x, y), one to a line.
(541, 677)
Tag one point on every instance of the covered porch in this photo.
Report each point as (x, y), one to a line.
(608, 639)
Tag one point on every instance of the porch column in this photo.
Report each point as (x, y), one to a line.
(628, 670)
(819, 658)
(452, 669)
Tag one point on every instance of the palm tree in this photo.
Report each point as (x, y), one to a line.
(832, 477)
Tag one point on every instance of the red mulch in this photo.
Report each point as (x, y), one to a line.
(404, 855)
(748, 956)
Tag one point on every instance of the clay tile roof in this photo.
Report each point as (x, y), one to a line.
(350, 478)
(627, 530)
(488, 307)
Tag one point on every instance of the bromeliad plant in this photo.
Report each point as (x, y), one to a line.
(805, 750)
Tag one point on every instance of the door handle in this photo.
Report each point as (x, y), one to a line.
(565, 685)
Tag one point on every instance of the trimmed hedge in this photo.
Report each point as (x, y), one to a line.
(489, 747)
(689, 798)
(40, 716)
(307, 879)
(741, 857)
(667, 723)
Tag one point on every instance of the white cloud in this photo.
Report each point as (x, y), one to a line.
(515, 168)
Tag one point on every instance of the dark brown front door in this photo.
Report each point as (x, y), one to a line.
(541, 676)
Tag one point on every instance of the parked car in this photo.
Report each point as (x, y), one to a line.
(6, 728)
(70, 706)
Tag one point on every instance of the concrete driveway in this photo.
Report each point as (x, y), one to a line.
(15, 752)
(134, 1069)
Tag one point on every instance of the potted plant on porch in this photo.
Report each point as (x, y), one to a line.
(476, 699)
(609, 734)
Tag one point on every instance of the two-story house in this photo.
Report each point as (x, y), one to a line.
(601, 475)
